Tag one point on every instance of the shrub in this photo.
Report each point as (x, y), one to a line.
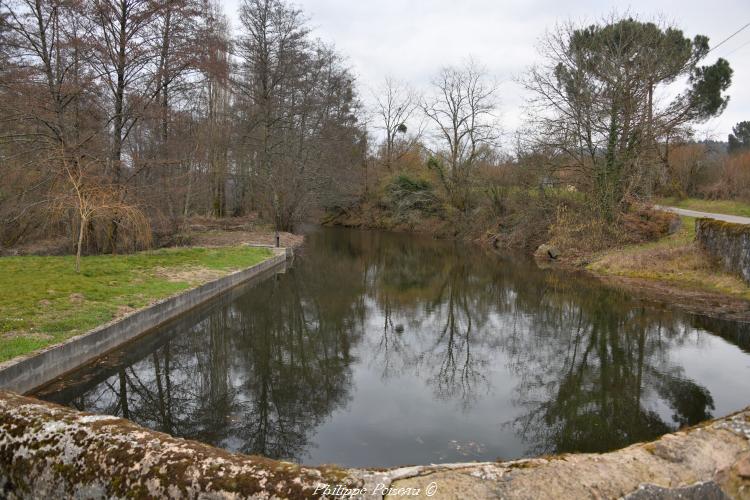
(734, 180)
(577, 232)
(404, 194)
(640, 224)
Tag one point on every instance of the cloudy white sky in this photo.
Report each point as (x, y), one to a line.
(412, 39)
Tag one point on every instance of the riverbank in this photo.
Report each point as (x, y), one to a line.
(672, 269)
(579, 345)
(43, 301)
(50, 449)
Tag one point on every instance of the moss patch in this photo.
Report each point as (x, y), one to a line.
(730, 228)
(43, 301)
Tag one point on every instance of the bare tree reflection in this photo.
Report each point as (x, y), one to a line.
(257, 376)
(589, 369)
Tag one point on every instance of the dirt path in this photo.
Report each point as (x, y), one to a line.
(736, 219)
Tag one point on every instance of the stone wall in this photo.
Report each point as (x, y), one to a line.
(726, 242)
(48, 451)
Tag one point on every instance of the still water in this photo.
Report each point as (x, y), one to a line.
(380, 349)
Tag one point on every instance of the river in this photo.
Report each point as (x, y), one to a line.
(382, 349)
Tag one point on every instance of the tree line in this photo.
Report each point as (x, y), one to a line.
(125, 115)
(608, 104)
(123, 118)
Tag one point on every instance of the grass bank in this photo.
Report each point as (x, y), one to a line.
(674, 260)
(43, 301)
(728, 207)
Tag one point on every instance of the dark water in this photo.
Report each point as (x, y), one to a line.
(384, 349)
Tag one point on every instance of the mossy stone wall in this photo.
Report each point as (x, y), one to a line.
(51, 452)
(48, 451)
(726, 242)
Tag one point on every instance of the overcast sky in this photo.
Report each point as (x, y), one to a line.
(412, 39)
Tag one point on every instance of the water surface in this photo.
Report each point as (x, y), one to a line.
(379, 349)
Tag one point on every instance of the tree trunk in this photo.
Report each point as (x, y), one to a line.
(84, 222)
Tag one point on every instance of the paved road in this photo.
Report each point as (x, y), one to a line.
(694, 213)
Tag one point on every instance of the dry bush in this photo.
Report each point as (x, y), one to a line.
(517, 206)
(734, 179)
(689, 168)
(99, 208)
(404, 194)
(23, 202)
(640, 224)
(506, 174)
(411, 161)
(520, 218)
(579, 232)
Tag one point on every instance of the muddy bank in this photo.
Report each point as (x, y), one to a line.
(711, 304)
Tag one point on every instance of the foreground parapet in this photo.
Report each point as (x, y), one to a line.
(48, 450)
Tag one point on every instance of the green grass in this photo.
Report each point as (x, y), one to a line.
(728, 207)
(44, 301)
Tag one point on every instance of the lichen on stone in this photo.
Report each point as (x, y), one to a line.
(54, 452)
(45, 448)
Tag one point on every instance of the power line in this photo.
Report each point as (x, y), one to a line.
(728, 38)
(736, 49)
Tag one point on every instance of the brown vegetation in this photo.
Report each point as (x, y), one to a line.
(122, 118)
(598, 147)
(127, 119)
(731, 178)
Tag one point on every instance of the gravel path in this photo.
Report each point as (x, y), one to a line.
(736, 219)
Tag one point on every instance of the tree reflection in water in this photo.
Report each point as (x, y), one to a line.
(588, 368)
(255, 375)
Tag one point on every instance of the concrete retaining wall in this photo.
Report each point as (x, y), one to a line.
(726, 242)
(26, 373)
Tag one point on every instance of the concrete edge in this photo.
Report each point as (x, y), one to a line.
(26, 373)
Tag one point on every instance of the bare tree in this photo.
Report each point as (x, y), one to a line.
(396, 104)
(298, 110)
(270, 47)
(48, 103)
(216, 86)
(461, 108)
(143, 95)
(181, 40)
(126, 62)
(48, 72)
(96, 200)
